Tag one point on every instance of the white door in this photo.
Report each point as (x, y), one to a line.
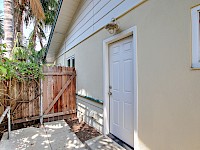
(121, 88)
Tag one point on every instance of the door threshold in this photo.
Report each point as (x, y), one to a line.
(120, 142)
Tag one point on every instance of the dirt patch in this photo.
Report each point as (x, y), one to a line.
(82, 130)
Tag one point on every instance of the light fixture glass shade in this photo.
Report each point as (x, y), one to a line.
(112, 27)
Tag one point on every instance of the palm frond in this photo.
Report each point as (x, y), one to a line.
(41, 32)
(37, 9)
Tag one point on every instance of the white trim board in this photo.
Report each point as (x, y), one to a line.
(106, 107)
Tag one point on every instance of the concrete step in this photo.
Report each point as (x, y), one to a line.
(102, 142)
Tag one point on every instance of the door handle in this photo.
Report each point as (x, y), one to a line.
(109, 93)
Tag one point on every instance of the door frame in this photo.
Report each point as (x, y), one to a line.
(106, 105)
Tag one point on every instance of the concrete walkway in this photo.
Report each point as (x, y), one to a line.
(103, 143)
(52, 136)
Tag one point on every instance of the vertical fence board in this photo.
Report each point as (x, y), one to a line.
(26, 105)
(67, 93)
(49, 90)
(69, 89)
(34, 103)
(59, 86)
(51, 86)
(64, 95)
(18, 87)
(55, 89)
(30, 96)
(37, 101)
(23, 88)
(45, 89)
(73, 95)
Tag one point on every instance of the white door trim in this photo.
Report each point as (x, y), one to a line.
(106, 105)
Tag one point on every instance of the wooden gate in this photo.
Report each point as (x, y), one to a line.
(59, 88)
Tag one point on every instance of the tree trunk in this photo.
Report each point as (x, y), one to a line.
(40, 39)
(8, 25)
(35, 33)
(18, 22)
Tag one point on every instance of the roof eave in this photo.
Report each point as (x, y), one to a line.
(53, 28)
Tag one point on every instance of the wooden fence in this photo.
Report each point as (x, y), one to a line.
(27, 103)
(59, 88)
(22, 97)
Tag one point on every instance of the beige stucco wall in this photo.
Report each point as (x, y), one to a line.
(169, 90)
(89, 65)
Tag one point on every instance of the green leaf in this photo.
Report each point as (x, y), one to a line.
(3, 70)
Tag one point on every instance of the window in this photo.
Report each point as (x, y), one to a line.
(70, 61)
(195, 13)
(73, 62)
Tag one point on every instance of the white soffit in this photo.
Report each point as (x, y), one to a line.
(65, 17)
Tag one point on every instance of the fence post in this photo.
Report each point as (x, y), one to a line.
(9, 125)
(41, 102)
